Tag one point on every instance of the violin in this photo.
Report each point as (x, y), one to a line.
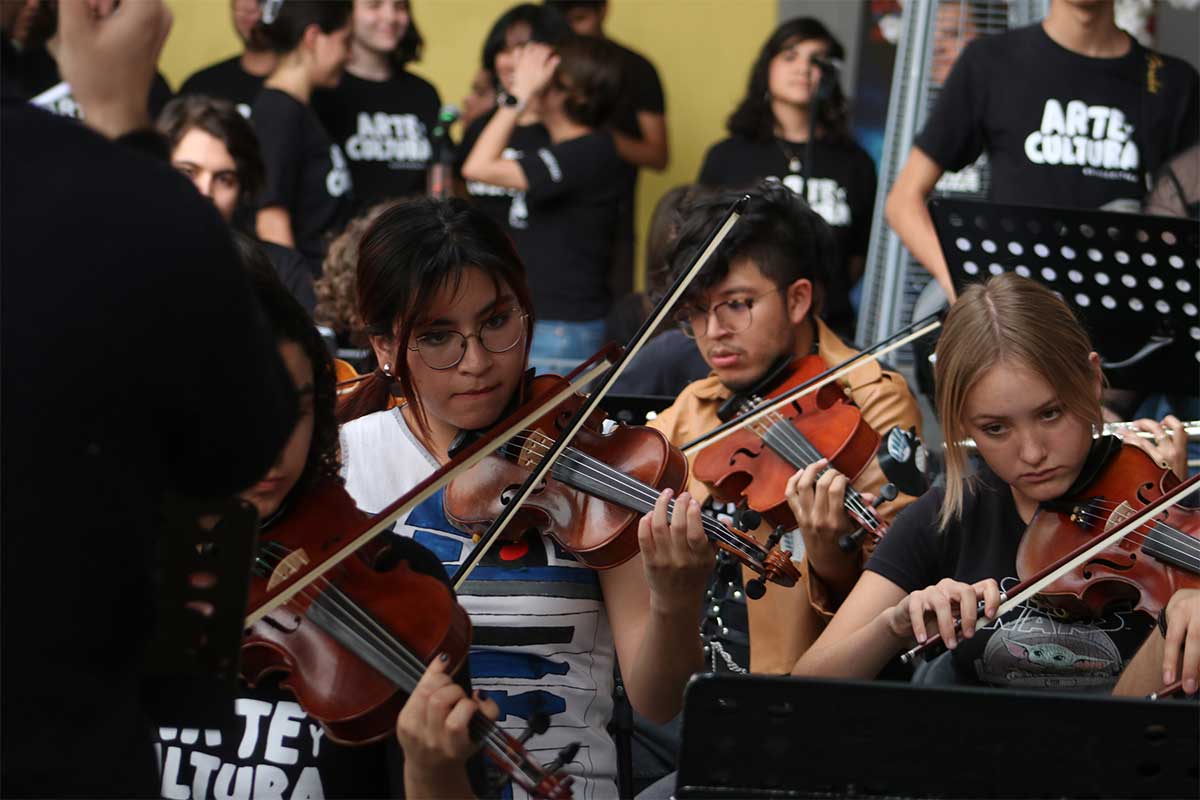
(754, 463)
(354, 643)
(596, 491)
(1117, 539)
(1140, 572)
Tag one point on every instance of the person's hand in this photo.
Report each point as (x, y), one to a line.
(108, 55)
(942, 604)
(535, 67)
(677, 556)
(1181, 651)
(1169, 451)
(434, 727)
(818, 504)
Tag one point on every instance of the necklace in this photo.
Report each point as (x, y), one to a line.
(794, 163)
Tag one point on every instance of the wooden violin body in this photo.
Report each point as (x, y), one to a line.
(756, 462)
(382, 605)
(599, 488)
(1143, 570)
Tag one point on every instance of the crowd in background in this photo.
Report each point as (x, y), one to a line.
(337, 124)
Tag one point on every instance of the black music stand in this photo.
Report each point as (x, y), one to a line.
(201, 577)
(1132, 280)
(749, 737)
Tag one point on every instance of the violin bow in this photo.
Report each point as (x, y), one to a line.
(542, 468)
(897, 340)
(1052, 572)
(470, 456)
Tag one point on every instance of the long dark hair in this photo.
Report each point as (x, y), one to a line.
(546, 26)
(289, 322)
(411, 44)
(284, 33)
(413, 250)
(754, 118)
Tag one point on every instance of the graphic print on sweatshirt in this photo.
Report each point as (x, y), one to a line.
(541, 642)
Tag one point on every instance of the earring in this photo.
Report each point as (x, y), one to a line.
(387, 369)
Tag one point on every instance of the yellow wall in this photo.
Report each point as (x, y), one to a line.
(702, 48)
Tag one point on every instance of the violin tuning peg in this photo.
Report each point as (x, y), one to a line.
(755, 588)
(775, 537)
(850, 542)
(887, 494)
(746, 519)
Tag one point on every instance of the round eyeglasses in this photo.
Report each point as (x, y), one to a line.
(498, 333)
(732, 315)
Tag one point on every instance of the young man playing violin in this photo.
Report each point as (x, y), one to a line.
(756, 303)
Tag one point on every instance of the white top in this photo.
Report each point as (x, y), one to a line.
(541, 638)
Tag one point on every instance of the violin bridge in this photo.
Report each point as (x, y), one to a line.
(291, 564)
(536, 444)
(1119, 514)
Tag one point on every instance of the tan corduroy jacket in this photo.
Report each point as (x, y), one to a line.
(786, 621)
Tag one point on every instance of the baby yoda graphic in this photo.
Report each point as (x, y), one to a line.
(1080, 657)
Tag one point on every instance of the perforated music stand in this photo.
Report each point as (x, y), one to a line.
(773, 737)
(1133, 281)
(201, 577)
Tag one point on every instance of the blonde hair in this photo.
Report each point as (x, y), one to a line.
(1013, 319)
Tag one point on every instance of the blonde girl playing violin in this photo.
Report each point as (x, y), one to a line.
(273, 745)
(444, 297)
(1016, 373)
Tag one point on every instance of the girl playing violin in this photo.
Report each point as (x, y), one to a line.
(274, 746)
(1016, 373)
(444, 297)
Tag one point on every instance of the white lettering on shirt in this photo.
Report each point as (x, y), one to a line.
(253, 711)
(1097, 138)
(398, 139)
(337, 182)
(285, 723)
(551, 164)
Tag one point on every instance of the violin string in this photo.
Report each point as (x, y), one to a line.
(334, 601)
(1158, 525)
(803, 453)
(348, 613)
(641, 496)
(1172, 539)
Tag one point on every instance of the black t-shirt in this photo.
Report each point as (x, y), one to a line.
(1061, 129)
(226, 80)
(505, 206)
(272, 748)
(384, 129)
(841, 190)
(641, 91)
(573, 199)
(306, 172)
(95, 421)
(293, 272)
(1029, 650)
